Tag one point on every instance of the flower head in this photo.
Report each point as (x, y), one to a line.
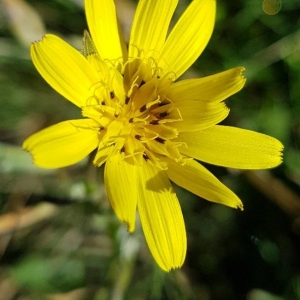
(147, 128)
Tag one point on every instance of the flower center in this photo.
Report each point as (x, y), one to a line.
(134, 114)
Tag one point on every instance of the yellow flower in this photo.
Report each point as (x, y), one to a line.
(147, 128)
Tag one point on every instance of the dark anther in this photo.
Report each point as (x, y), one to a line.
(146, 157)
(127, 100)
(112, 94)
(158, 77)
(103, 102)
(164, 114)
(142, 83)
(138, 137)
(143, 108)
(154, 122)
(122, 149)
(163, 103)
(130, 120)
(160, 140)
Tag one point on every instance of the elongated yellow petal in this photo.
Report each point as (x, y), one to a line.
(214, 88)
(122, 188)
(62, 144)
(150, 26)
(161, 218)
(232, 147)
(105, 30)
(195, 178)
(198, 115)
(189, 37)
(64, 68)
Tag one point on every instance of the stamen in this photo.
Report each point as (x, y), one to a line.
(154, 122)
(143, 108)
(156, 101)
(149, 104)
(138, 137)
(112, 94)
(138, 120)
(162, 104)
(160, 140)
(163, 115)
(145, 156)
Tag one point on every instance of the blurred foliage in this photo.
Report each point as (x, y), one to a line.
(59, 239)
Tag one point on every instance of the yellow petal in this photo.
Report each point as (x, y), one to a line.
(104, 150)
(62, 144)
(150, 26)
(64, 68)
(198, 115)
(189, 37)
(106, 33)
(232, 147)
(214, 88)
(195, 178)
(161, 218)
(121, 185)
